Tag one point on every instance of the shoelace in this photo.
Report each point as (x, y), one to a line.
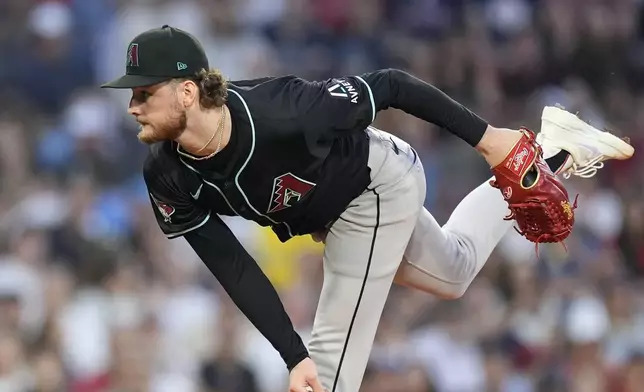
(587, 170)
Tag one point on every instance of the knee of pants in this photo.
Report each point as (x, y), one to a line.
(446, 272)
(409, 276)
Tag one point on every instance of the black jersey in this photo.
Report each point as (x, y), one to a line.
(296, 159)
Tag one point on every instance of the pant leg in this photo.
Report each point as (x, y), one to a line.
(445, 260)
(363, 251)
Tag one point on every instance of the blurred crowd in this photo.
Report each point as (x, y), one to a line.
(93, 298)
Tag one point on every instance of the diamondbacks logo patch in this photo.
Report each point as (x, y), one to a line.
(165, 209)
(288, 189)
(133, 55)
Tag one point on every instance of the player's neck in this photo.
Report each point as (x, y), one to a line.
(206, 128)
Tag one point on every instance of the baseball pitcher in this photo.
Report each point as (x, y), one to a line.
(302, 157)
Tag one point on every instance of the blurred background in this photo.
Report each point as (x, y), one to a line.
(93, 298)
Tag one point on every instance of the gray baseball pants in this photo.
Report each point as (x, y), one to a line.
(387, 236)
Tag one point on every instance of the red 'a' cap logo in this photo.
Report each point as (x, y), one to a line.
(133, 55)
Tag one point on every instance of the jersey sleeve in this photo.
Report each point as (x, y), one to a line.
(340, 104)
(248, 287)
(352, 102)
(173, 206)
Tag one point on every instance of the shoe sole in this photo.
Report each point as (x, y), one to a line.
(620, 149)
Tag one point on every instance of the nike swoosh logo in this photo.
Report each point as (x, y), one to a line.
(196, 194)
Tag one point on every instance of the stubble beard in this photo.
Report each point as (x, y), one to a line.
(173, 127)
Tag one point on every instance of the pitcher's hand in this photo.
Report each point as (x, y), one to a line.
(304, 377)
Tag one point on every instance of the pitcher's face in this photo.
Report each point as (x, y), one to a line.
(158, 111)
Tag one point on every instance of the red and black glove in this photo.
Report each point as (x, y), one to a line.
(538, 201)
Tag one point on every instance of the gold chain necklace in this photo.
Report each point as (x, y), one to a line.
(220, 131)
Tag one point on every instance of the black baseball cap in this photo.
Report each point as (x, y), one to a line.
(158, 55)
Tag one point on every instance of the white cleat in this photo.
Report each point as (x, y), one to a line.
(588, 146)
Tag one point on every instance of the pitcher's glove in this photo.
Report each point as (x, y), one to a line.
(537, 200)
